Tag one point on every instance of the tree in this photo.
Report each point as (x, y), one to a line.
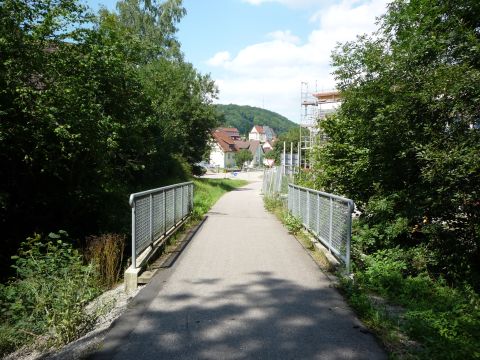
(242, 157)
(92, 109)
(403, 143)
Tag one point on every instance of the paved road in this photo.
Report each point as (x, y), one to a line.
(242, 289)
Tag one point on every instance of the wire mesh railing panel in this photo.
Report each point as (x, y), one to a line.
(274, 182)
(339, 226)
(155, 212)
(178, 204)
(142, 223)
(170, 212)
(327, 216)
(303, 206)
(184, 200)
(158, 214)
(312, 211)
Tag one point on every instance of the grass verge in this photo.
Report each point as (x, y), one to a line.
(208, 191)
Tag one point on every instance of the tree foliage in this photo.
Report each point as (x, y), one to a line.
(92, 108)
(405, 142)
(243, 156)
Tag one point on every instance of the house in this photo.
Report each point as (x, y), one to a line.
(225, 143)
(262, 133)
(222, 153)
(232, 132)
(257, 133)
(267, 146)
(269, 133)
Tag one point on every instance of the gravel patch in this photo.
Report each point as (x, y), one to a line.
(109, 306)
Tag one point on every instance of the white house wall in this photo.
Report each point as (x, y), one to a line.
(217, 156)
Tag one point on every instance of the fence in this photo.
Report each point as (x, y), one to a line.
(155, 213)
(274, 181)
(328, 217)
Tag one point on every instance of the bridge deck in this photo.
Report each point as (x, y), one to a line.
(242, 289)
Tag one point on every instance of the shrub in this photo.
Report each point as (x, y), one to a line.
(292, 223)
(47, 295)
(384, 272)
(106, 252)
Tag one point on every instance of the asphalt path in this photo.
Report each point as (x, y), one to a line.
(243, 288)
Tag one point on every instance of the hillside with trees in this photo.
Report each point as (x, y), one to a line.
(243, 117)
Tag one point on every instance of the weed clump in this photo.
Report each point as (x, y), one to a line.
(46, 298)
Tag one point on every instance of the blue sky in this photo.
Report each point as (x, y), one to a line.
(259, 51)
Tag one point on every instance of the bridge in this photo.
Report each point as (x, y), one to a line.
(243, 288)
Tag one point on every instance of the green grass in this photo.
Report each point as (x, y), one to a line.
(275, 205)
(208, 191)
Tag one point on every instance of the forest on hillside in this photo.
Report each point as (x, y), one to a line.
(243, 117)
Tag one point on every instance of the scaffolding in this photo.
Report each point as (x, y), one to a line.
(308, 125)
(315, 106)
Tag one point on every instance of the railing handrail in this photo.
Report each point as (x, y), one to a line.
(150, 230)
(350, 202)
(151, 191)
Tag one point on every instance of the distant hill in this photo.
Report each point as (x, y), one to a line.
(243, 117)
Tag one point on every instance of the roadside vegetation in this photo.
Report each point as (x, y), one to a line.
(404, 146)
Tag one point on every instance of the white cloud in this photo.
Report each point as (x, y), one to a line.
(219, 58)
(270, 73)
(286, 36)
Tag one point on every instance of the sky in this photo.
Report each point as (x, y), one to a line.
(260, 51)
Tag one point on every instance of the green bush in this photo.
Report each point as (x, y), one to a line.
(384, 271)
(48, 294)
(292, 223)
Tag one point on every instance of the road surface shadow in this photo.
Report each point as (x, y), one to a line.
(265, 317)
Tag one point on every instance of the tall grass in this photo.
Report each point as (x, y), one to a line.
(106, 253)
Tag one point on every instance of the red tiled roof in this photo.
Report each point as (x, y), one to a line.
(224, 141)
(259, 129)
(239, 144)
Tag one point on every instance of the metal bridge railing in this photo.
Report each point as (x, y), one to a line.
(328, 217)
(157, 212)
(274, 182)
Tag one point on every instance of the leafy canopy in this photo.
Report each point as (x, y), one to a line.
(405, 142)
